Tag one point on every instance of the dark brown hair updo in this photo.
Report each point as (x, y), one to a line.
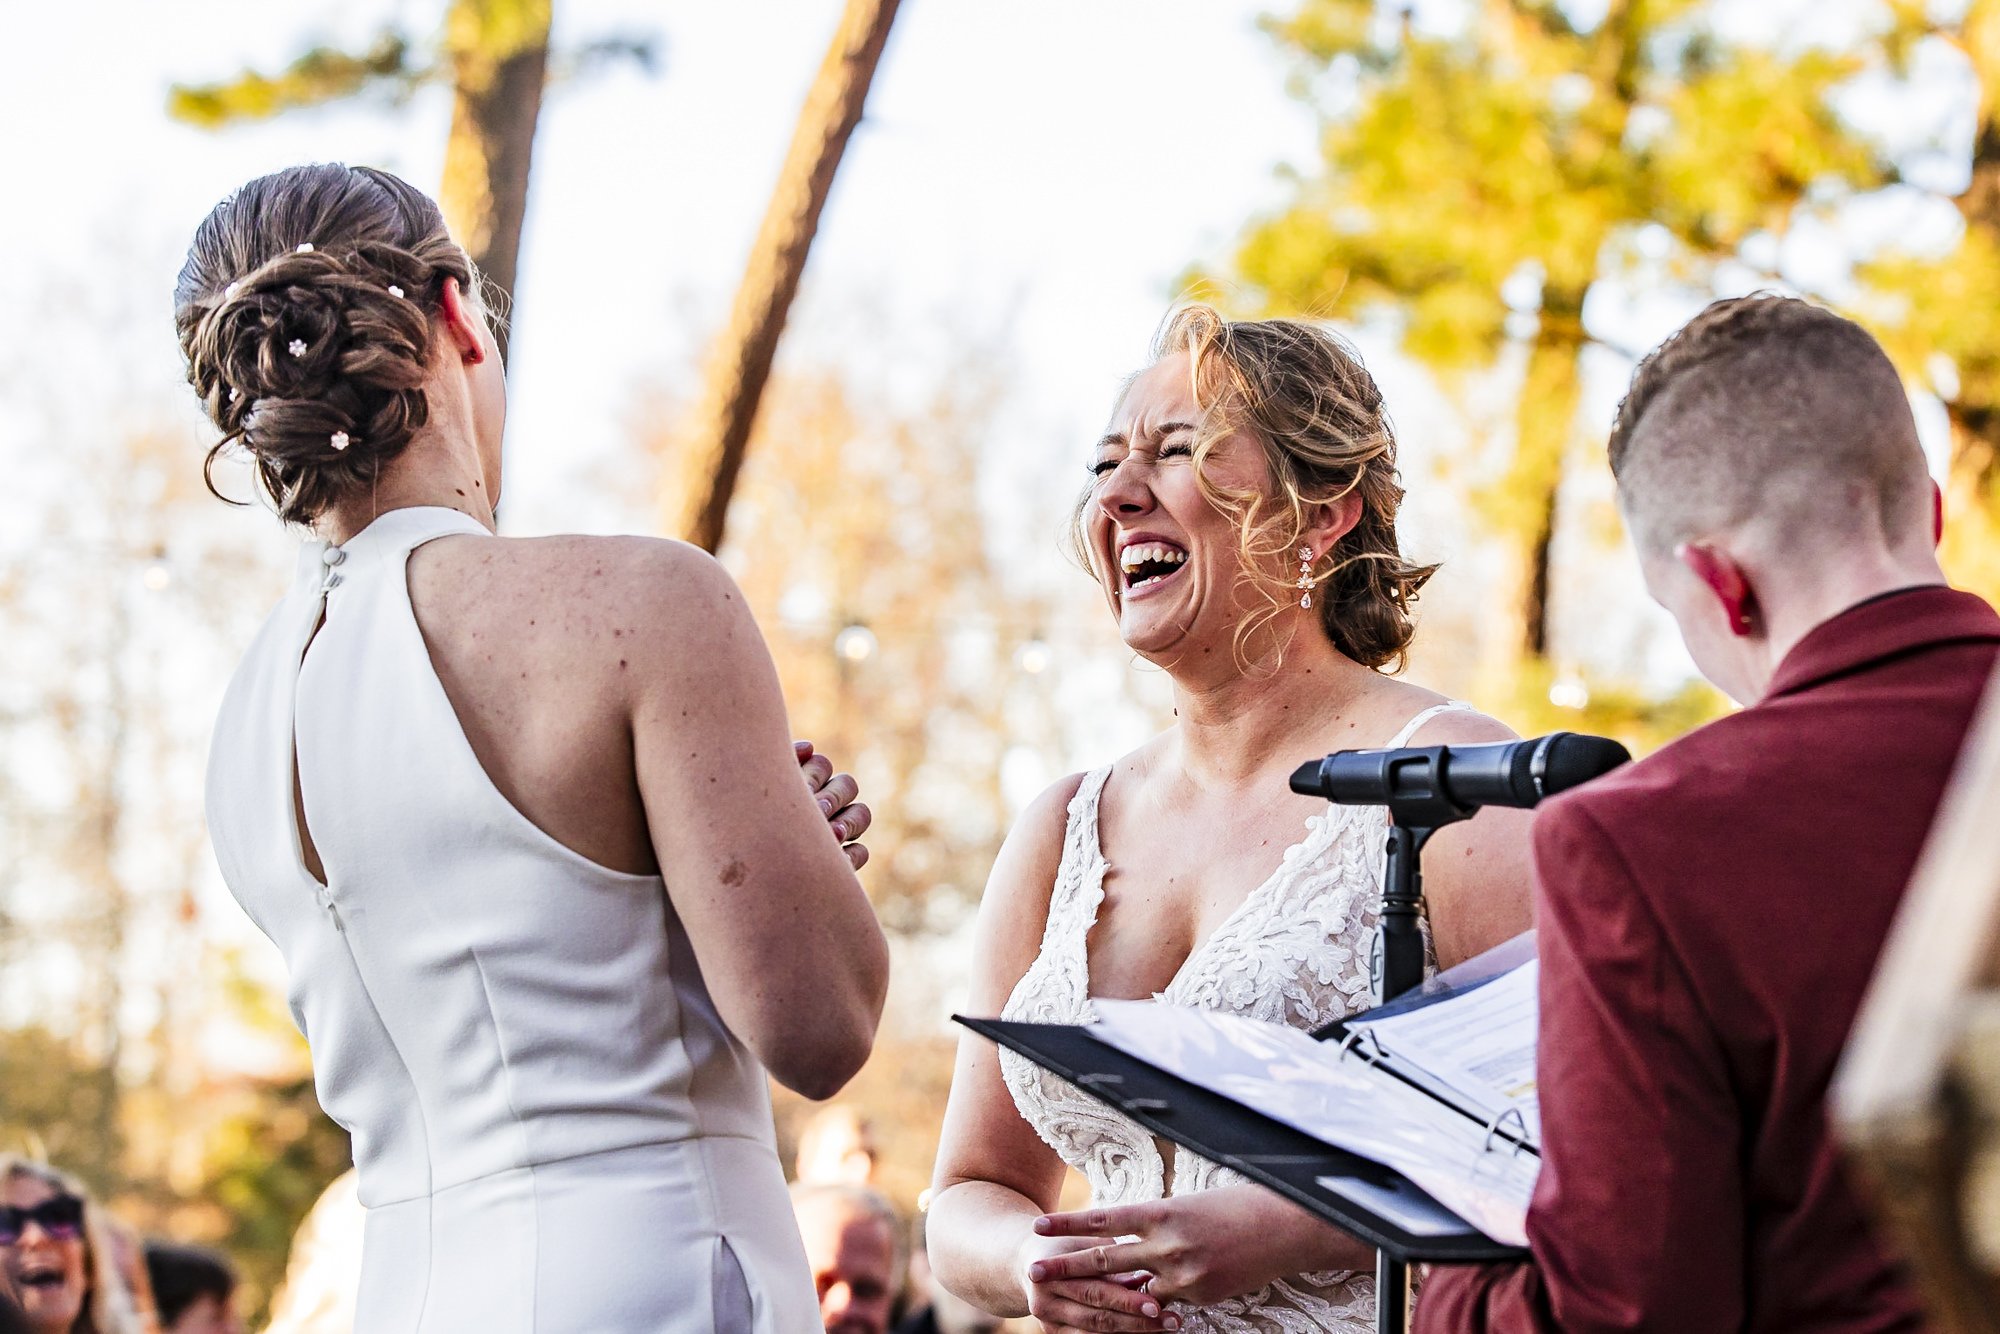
(1302, 394)
(304, 314)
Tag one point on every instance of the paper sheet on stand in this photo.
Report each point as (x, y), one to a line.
(1284, 1074)
(1481, 1042)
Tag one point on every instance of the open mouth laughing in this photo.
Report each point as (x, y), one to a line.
(38, 1277)
(1147, 564)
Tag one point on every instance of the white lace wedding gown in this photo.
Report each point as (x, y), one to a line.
(1295, 951)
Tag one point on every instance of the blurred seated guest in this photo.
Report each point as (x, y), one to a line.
(934, 1308)
(56, 1253)
(852, 1236)
(1710, 916)
(836, 1147)
(323, 1272)
(194, 1289)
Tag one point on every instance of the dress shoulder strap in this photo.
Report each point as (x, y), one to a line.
(1083, 852)
(1410, 728)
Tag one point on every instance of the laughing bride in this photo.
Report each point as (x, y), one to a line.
(1242, 524)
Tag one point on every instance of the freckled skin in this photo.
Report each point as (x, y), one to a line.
(585, 725)
(586, 743)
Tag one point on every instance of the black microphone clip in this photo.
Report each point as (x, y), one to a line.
(1428, 787)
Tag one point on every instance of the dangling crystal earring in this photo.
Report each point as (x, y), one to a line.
(1305, 576)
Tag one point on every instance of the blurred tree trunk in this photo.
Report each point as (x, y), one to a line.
(1970, 283)
(1545, 417)
(499, 55)
(496, 55)
(740, 365)
(1975, 409)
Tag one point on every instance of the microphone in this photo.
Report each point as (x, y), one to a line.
(1458, 780)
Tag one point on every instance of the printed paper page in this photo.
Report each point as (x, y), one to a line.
(1284, 1074)
(1481, 1043)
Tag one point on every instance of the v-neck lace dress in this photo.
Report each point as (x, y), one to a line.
(1295, 951)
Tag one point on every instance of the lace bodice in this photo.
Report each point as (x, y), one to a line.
(1295, 951)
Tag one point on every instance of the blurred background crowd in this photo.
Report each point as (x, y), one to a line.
(1501, 201)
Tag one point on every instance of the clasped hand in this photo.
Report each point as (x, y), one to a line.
(1198, 1248)
(848, 818)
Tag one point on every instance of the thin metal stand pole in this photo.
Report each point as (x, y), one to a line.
(1399, 961)
(1392, 1295)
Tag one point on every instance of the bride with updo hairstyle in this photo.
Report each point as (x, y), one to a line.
(1240, 523)
(523, 816)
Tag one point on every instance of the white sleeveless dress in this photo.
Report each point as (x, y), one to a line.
(1295, 951)
(554, 1131)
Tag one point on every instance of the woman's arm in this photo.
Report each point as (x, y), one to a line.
(995, 1176)
(788, 945)
(1476, 879)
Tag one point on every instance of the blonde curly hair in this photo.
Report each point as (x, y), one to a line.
(1301, 392)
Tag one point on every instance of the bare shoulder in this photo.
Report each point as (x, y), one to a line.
(1015, 908)
(1392, 703)
(667, 601)
(1462, 727)
(639, 572)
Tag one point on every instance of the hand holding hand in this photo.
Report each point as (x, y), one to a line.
(1200, 1248)
(836, 794)
(1102, 1301)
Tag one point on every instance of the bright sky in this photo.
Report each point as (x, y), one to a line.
(1032, 175)
(1039, 169)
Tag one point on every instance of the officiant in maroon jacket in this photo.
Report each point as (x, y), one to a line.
(1710, 916)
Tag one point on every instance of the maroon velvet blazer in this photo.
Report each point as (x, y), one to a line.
(1709, 918)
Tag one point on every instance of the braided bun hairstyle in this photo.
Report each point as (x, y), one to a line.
(304, 312)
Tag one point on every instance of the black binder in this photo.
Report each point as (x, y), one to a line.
(1266, 1151)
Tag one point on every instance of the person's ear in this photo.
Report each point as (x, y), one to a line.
(1937, 513)
(462, 322)
(1329, 521)
(1726, 581)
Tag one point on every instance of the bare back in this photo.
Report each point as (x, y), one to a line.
(534, 641)
(618, 696)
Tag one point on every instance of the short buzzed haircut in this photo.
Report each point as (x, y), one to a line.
(1772, 409)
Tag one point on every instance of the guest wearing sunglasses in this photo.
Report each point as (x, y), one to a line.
(54, 1255)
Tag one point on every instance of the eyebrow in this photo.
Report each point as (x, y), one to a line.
(1164, 430)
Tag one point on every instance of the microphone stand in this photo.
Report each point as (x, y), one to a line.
(1418, 807)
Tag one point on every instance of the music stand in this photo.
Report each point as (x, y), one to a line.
(1418, 807)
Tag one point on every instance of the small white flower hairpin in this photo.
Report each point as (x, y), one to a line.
(297, 347)
(395, 291)
(230, 291)
(235, 394)
(305, 248)
(339, 440)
